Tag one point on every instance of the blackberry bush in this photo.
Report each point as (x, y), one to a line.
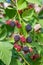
(21, 32)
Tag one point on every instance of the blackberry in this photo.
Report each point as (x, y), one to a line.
(28, 27)
(25, 49)
(17, 47)
(29, 39)
(12, 24)
(8, 22)
(22, 39)
(30, 49)
(17, 37)
(34, 57)
(19, 25)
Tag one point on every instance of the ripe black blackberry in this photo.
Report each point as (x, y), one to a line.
(25, 49)
(12, 24)
(28, 27)
(29, 39)
(16, 38)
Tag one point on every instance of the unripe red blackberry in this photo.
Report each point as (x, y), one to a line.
(30, 49)
(17, 47)
(8, 22)
(35, 56)
(22, 39)
(19, 25)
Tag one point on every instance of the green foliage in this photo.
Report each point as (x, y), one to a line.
(35, 1)
(10, 12)
(10, 55)
(2, 0)
(3, 32)
(6, 52)
(21, 4)
(27, 14)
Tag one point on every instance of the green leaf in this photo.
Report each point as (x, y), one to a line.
(41, 22)
(1, 63)
(15, 54)
(2, 0)
(23, 29)
(40, 37)
(15, 62)
(35, 1)
(27, 14)
(37, 45)
(6, 52)
(21, 4)
(16, 30)
(31, 62)
(40, 15)
(10, 12)
(3, 32)
(19, 62)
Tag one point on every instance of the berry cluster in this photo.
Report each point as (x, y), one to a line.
(22, 39)
(13, 23)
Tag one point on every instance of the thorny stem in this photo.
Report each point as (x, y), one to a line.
(24, 59)
(18, 12)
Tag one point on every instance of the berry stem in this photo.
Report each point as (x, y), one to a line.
(24, 59)
(18, 12)
(13, 2)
